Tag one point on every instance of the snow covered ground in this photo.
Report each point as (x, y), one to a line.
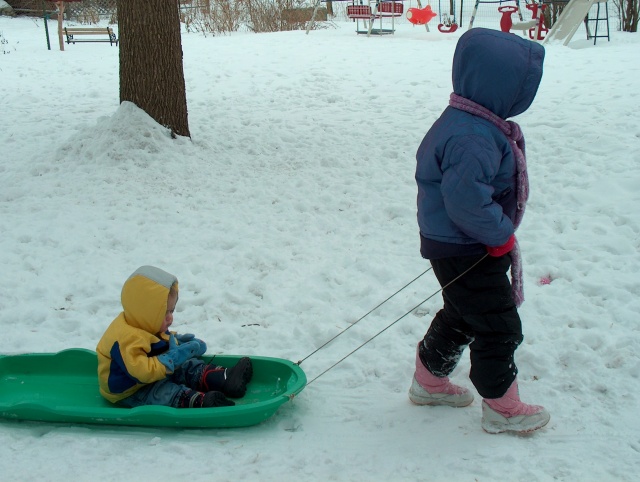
(289, 215)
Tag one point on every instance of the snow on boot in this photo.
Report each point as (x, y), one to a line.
(237, 378)
(427, 389)
(509, 414)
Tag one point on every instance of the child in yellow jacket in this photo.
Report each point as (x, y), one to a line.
(140, 362)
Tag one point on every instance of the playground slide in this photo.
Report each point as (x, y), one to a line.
(569, 21)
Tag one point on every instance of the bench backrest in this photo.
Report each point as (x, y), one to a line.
(88, 31)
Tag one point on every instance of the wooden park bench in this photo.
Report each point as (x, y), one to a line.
(106, 33)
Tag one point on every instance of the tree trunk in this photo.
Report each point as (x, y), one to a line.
(151, 72)
(631, 16)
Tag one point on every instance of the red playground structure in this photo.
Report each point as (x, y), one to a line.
(536, 27)
(420, 16)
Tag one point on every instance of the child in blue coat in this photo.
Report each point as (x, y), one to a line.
(140, 362)
(472, 190)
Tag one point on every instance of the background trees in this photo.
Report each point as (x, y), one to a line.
(629, 13)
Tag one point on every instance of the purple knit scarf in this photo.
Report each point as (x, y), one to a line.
(513, 133)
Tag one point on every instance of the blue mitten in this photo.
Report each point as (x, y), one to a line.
(178, 354)
(186, 337)
(203, 347)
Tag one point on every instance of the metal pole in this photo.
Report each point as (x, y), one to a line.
(46, 24)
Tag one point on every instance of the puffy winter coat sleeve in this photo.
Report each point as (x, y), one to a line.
(138, 363)
(469, 166)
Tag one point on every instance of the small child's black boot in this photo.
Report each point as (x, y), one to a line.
(195, 399)
(191, 399)
(213, 378)
(237, 378)
(231, 381)
(216, 399)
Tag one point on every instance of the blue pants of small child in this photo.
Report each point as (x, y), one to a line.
(168, 392)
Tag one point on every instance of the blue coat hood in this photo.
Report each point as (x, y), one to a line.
(466, 169)
(499, 71)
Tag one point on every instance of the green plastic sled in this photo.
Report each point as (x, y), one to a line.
(63, 387)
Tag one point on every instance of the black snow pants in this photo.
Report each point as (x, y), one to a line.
(479, 311)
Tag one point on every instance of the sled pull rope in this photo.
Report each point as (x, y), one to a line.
(403, 316)
(365, 315)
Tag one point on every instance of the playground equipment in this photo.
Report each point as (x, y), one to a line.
(499, 2)
(382, 9)
(449, 24)
(535, 26)
(597, 19)
(573, 14)
(537, 14)
(576, 12)
(368, 16)
(420, 16)
(505, 22)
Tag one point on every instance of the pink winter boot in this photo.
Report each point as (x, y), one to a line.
(509, 414)
(428, 389)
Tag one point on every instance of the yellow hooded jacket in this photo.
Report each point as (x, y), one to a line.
(128, 350)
